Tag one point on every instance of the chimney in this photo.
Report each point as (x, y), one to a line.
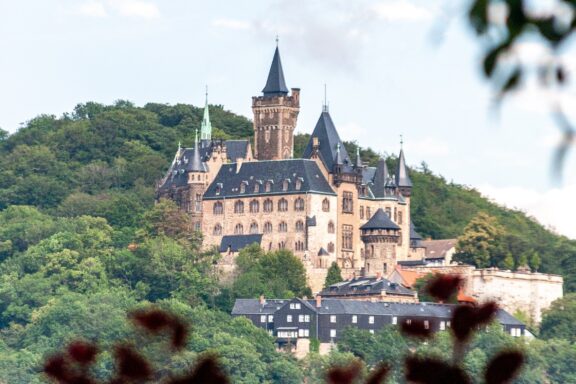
(238, 164)
(318, 301)
(378, 275)
(262, 300)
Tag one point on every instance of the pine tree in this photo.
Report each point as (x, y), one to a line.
(333, 276)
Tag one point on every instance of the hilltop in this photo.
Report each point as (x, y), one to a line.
(104, 160)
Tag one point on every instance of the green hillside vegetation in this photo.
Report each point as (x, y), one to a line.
(82, 243)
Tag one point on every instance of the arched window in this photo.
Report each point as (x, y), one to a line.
(239, 207)
(299, 204)
(283, 227)
(268, 227)
(254, 228)
(218, 208)
(282, 205)
(268, 186)
(268, 205)
(242, 187)
(256, 187)
(299, 246)
(331, 247)
(281, 245)
(331, 227)
(254, 206)
(239, 229)
(298, 183)
(326, 205)
(217, 230)
(299, 226)
(285, 184)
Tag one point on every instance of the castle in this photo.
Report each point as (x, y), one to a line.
(324, 206)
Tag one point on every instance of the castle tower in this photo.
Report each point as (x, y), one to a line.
(380, 236)
(197, 184)
(206, 127)
(402, 178)
(275, 116)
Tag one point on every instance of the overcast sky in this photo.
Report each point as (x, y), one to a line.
(392, 67)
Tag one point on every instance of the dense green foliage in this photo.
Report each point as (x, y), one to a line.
(81, 243)
(334, 275)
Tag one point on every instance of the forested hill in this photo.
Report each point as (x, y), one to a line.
(104, 160)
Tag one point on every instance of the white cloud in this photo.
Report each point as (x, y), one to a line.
(92, 9)
(350, 131)
(555, 208)
(126, 8)
(401, 10)
(231, 24)
(427, 146)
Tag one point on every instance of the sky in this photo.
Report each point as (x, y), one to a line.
(391, 68)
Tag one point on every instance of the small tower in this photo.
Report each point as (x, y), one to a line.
(275, 115)
(403, 181)
(197, 184)
(206, 127)
(380, 236)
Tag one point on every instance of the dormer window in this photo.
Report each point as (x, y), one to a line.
(298, 185)
(218, 188)
(268, 186)
(243, 187)
(285, 184)
(257, 187)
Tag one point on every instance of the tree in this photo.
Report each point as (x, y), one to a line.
(558, 320)
(334, 275)
(479, 244)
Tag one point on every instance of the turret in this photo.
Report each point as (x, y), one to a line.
(380, 236)
(403, 181)
(206, 127)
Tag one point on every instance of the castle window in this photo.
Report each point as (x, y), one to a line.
(399, 237)
(299, 246)
(285, 184)
(283, 227)
(254, 206)
(347, 203)
(298, 183)
(299, 226)
(368, 213)
(389, 212)
(347, 239)
(268, 205)
(256, 187)
(281, 245)
(331, 247)
(400, 218)
(299, 204)
(218, 208)
(268, 186)
(197, 226)
(268, 227)
(218, 188)
(361, 212)
(326, 205)
(239, 229)
(242, 187)
(198, 203)
(395, 215)
(331, 227)
(282, 205)
(217, 230)
(254, 228)
(239, 207)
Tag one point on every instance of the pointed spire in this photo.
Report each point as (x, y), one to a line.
(338, 160)
(358, 158)
(206, 127)
(402, 177)
(275, 85)
(380, 220)
(325, 105)
(196, 165)
(380, 180)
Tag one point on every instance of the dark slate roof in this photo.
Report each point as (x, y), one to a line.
(329, 140)
(361, 307)
(366, 286)
(184, 161)
(402, 177)
(411, 263)
(380, 179)
(195, 164)
(413, 234)
(260, 172)
(323, 252)
(236, 149)
(235, 243)
(275, 85)
(368, 175)
(436, 249)
(253, 306)
(380, 220)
